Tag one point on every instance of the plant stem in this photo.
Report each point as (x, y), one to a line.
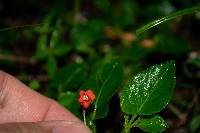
(94, 114)
(132, 119)
(126, 128)
(20, 27)
(135, 122)
(84, 119)
(178, 113)
(167, 18)
(128, 123)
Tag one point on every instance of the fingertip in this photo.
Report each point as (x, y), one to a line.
(21, 104)
(3, 91)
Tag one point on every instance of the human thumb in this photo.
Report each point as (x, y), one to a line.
(44, 127)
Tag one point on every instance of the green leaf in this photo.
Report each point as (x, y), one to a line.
(172, 45)
(149, 91)
(41, 52)
(91, 124)
(136, 52)
(69, 77)
(51, 66)
(104, 5)
(61, 50)
(110, 76)
(86, 34)
(153, 124)
(69, 100)
(195, 61)
(167, 18)
(55, 37)
(127, 10)
(34, 84)
(51, 92)
(195, 123)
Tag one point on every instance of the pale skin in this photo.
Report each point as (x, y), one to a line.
(24, 110)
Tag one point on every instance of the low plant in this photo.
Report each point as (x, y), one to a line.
(146, 94)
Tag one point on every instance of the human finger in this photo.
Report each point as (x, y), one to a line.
(44, 127)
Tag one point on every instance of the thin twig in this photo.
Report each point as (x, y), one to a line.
(16, 59)
(178, 113)
(20, 27)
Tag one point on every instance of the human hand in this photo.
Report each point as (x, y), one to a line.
(24, 110)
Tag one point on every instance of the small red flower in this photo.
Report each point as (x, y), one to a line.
(86, 98)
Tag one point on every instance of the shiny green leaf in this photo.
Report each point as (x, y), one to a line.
(153, 124)
(167, 18)
(149, 91)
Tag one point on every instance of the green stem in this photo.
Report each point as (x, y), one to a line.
(135, 122)
(94, 114)
(167, 18)
(128, 124)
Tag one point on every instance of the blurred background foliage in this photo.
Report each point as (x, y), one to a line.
(64, 43)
